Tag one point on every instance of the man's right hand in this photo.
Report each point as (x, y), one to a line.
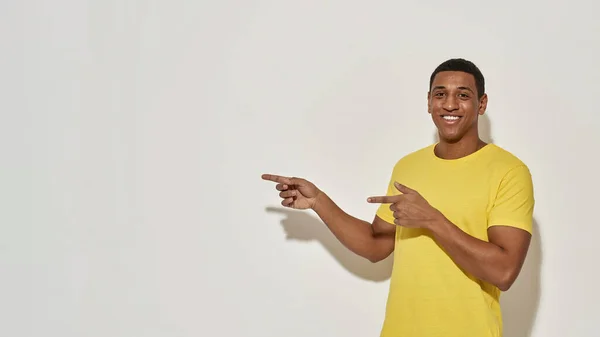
(297, 193)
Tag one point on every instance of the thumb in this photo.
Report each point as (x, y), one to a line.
(404, 189)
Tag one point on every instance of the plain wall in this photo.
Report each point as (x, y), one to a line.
(134, 135)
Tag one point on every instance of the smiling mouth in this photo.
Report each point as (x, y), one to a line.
(451, 118)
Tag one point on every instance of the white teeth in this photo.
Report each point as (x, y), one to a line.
(451, 118)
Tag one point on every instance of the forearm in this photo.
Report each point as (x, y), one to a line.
(484, 260)
(355, 234)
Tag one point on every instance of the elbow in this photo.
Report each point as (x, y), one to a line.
(375, 259)
(504, 286)
(507, 279)
(378, 256)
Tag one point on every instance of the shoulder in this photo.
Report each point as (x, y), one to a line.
(512, 175)
(502, 154)
(504, 161)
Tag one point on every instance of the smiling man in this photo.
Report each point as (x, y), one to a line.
(457, 216)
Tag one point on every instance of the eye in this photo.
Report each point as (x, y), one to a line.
(439, 94)
(463, 95)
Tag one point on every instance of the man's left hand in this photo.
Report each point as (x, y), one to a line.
(410, 208)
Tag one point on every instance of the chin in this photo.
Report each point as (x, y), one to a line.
(449, 138)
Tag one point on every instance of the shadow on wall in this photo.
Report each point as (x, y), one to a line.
(301, 226)
(520, 303)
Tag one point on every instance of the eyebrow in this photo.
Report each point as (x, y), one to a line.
(460, 88)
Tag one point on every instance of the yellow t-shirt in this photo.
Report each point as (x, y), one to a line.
(430, 296)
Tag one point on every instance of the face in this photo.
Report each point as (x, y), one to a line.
(454, 106)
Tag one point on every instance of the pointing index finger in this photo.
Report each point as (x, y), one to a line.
(277, 179)
(387, 199)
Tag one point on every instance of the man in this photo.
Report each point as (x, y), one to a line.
(457, 216)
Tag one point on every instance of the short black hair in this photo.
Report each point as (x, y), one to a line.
(459, 64)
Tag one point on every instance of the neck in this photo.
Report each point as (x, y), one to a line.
(462, 148)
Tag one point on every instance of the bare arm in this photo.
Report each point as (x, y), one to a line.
(498, 261)
(373, 241)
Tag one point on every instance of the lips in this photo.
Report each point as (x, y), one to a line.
(451, 119)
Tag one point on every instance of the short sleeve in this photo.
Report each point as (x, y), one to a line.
(384, 211)
(514, 201)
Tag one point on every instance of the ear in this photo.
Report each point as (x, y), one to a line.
(483, 104)
(429, 102)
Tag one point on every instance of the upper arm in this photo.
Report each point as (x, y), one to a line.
(385, 238)
(514, 242)
(384, 217)
(382, 227)
(510, 221)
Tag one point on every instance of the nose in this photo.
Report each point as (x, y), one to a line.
(450, 103)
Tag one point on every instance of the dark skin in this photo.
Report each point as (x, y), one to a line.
(498, 261)
(455, 94)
